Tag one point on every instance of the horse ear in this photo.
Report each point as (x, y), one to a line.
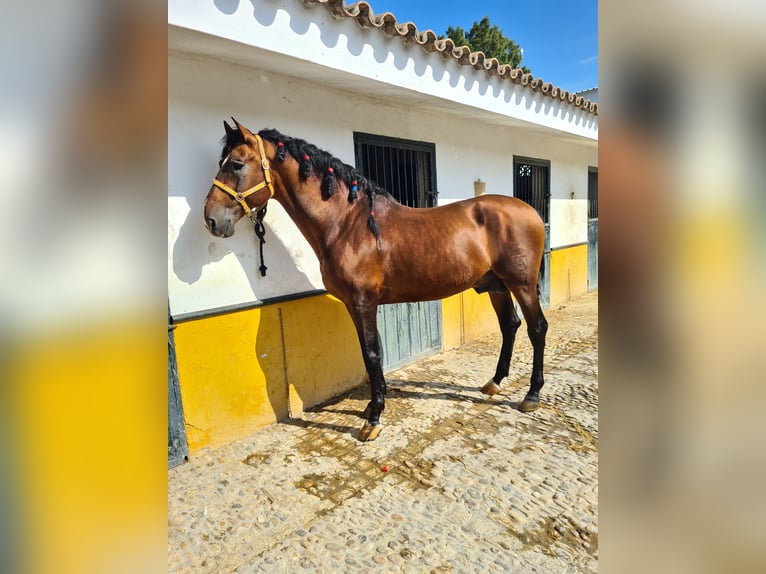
(246, 133)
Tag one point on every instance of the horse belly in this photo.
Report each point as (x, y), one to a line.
(429, 282)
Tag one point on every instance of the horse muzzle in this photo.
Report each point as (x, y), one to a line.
(223, 227)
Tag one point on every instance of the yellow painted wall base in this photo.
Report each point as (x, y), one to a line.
(237, 370)
(452, 321)
(465, 316)
(569, 273)
(479, 317)
(234, 369)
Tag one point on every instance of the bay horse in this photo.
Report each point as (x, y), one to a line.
(373, 250)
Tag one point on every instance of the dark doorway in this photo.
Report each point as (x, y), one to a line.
(532, 184)
(592, 228)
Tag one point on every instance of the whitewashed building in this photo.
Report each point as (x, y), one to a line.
(431, 121)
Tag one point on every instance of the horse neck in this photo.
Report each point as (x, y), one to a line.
(302, 200)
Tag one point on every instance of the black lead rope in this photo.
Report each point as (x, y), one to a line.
(260, 232)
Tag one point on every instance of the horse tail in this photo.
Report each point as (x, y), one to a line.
(539, 276)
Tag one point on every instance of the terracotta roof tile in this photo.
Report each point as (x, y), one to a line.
(362, 13)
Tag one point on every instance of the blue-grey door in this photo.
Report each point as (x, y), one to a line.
(592, 228)
(409, 331)
(177, 447)
(407, 169)
(531, 183)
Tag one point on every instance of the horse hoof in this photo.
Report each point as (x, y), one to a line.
(528, 406)
(369, 432)
(491, 388)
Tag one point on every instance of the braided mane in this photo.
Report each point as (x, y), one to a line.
(320, 163)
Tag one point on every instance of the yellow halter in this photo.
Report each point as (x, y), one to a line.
(240, 196)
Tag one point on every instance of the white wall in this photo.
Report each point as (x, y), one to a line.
(205, 272)
(312, 42)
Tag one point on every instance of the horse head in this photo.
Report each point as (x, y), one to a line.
(243, 184)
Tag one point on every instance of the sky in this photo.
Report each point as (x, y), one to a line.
(559, 37)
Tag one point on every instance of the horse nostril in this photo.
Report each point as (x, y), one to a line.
(211, 223)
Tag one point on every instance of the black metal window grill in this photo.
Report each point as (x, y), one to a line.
(531, 183)
(592, 193)
(405, 168)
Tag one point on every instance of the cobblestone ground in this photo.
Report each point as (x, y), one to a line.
(456, 482)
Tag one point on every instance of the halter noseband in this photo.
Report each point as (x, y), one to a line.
(239, 196)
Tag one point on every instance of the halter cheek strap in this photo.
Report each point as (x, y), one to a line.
(239, 196)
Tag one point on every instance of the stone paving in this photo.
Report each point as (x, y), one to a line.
(456, 481)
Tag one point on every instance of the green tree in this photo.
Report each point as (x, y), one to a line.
(489, 39)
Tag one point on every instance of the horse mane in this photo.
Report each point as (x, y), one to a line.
(321, 160)
(321, 164)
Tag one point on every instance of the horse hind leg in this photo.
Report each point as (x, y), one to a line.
(529, 299)
(509, 323)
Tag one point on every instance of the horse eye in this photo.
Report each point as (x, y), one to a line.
(237, 165)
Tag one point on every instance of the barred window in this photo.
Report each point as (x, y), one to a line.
(592, 193)
(405, 168)
(531, 183)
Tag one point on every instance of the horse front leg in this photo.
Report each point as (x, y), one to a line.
(365, 317)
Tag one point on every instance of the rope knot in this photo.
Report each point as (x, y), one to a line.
(260, 232)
